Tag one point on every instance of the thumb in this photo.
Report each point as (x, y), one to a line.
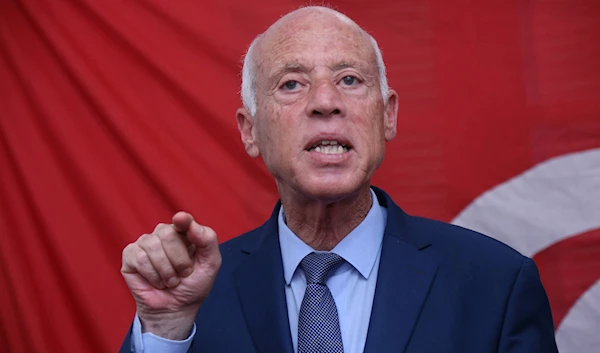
(203, 239)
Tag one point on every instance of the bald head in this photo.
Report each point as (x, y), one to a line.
(283, 29)
(317, 107)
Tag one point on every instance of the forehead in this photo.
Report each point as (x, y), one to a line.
(316, 39)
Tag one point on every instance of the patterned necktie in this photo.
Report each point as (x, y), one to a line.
(318, 322)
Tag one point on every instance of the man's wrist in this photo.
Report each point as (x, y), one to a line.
(172, 326)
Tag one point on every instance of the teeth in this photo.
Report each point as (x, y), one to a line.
(329, 149)
(325, 142)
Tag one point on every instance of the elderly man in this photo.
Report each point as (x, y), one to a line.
(338, 267)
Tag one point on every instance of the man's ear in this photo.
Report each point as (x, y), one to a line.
(245, 123)
(391, 115)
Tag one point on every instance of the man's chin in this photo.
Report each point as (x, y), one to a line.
(331, 191)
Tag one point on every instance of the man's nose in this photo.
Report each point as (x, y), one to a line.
(325, 100)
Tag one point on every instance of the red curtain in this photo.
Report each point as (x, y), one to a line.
(116, 114)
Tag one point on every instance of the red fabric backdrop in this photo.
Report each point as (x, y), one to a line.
(116, 114)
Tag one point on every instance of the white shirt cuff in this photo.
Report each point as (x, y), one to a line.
(149, 343)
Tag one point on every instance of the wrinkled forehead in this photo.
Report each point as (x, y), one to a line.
(313, 36)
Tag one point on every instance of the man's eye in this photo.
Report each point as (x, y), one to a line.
(290, 85)
(350, 80)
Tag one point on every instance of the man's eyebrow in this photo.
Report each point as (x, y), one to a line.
(291, 67)
(348, 64)
(297, 67)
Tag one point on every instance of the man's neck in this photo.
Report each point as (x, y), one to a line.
(322, 225)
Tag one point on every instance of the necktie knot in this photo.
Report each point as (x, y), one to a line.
(319, 266)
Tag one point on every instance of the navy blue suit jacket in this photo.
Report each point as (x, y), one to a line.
(440, 288)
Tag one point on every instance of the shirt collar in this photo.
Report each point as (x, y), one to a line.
(359, 248)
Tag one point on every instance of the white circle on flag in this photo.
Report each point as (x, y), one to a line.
(578, 332)
(550, 202)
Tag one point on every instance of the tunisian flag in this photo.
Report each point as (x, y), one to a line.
(116, 114)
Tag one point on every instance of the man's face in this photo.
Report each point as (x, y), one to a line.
(321, 121)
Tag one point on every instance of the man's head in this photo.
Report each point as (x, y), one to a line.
(316, 76)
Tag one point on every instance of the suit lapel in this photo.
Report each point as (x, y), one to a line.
(261, 287)
(406, 272)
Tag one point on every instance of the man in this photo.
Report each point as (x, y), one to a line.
(338, 267)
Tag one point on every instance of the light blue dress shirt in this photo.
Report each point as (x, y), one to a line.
(352, 285)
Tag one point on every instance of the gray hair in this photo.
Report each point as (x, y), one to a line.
(248, 91)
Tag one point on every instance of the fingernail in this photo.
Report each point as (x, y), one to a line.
(172, 282)
(187, 272)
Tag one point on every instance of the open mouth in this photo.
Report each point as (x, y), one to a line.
(329, 147)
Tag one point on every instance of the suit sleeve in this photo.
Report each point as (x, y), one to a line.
(126, 347)
(528, 325)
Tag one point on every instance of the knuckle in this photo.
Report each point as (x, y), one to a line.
(162, 228)
(154, 278)
(143, 239)
(150, 242)
(127, 250)
(154, 242)
(168, 236)
(127, 256)
(130, 253)
(209, 232)
(164, 272)
(168, 272)
(181, 263)
(142, 258)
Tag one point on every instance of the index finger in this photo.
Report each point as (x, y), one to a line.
(182, 221)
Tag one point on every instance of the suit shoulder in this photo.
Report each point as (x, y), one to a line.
(466, 243)
(239, 241)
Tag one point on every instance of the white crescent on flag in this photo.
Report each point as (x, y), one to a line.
(551, 213)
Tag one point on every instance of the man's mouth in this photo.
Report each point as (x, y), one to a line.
(329, 147)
